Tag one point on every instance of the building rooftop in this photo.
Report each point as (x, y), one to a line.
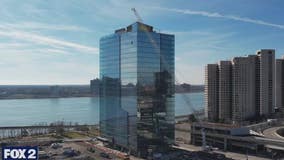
(137, 26)
(269, 51)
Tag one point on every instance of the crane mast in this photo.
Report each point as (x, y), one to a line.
(139, 19)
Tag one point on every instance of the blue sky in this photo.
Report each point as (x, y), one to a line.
(57, 41)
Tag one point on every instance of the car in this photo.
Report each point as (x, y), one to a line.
(71, 153)
(55, 145)
(104, 155)
(90, 149)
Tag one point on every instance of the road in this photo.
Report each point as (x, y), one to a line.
(233, 155)
(271, 133)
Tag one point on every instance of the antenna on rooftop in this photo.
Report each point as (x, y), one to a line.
(139, 19)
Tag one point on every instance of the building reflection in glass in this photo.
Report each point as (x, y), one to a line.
(137, 89)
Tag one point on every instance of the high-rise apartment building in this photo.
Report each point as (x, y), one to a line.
(137, 89)
(242, 89)
(225, 91)
(267, 81)
(279, 84)
(212, 92)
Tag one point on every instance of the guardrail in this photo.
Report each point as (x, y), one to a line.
(19, 131)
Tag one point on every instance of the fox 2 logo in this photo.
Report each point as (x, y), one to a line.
(20, 153)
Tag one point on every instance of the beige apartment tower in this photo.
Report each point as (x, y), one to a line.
(225, 91)
(211, 92)
(279, 84)
(244, 88)
(267, 81)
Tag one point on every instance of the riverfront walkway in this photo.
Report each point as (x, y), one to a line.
(19, 131)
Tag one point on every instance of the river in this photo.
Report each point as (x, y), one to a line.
(84, 110)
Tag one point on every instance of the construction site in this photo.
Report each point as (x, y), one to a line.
(84, 142)
(61, 141)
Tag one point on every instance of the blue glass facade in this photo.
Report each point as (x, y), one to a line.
(137, 88)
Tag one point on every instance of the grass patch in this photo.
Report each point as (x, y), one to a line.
(73, 135)
(93, 133)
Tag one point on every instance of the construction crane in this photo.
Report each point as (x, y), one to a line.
(139, 19)
(203, 132)
(185, 98)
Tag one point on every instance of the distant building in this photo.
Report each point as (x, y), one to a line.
(137, 89)
(55, 91)
(212, 92)
(225, 91)
(188, 88)
(280, 83)
(95, 87)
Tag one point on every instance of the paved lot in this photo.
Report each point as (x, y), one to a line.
(57, 153)
(182, 132)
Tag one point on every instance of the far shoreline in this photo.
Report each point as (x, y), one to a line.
(79, 96)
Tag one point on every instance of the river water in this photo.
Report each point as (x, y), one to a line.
(84, 110)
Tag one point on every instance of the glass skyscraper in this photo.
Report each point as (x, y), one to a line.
(137, 89)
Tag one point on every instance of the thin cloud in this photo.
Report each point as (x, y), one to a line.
(13, 45)
(43, 26)
(14, 48)
(218, 15)
(44, 40)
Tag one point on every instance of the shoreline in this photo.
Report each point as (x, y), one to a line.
(22, 98)
(80, 96)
